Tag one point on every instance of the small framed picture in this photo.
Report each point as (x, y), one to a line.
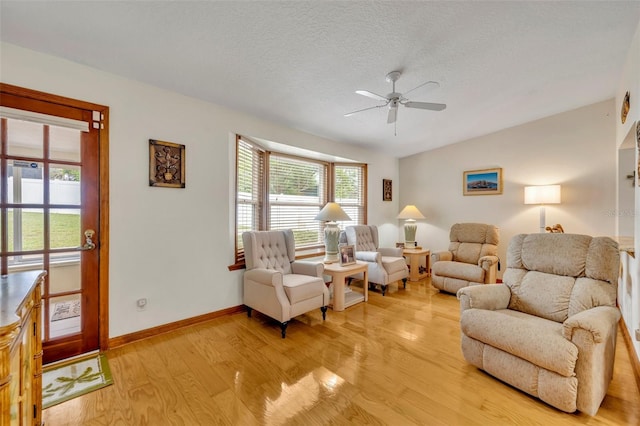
(166, 164)
(400, 245)
(386, 190)
(482, 182)
(347, 255)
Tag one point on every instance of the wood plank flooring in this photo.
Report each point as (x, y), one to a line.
(395, 360)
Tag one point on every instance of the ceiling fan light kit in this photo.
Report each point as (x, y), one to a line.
(393, 99)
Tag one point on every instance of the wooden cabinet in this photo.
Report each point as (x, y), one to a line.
(21, 348)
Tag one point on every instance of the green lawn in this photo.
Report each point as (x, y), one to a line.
(64, 229)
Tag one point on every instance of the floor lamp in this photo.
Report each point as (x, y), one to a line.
(544, 194)
(410, 213)
(331, 213)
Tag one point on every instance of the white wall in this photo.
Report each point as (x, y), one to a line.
(629, 288)
(575, 149)
(173, 246)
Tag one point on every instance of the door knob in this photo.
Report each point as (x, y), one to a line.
(88, 240)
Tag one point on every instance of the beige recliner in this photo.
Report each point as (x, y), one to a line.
(471, 259)
(385, 265)
(550, 329)
(275, 283)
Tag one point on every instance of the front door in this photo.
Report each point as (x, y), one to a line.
(50, 211)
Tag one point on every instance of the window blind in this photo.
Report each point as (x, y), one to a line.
(281, 191)
(297, 192)
(249, 191)
(350, 192)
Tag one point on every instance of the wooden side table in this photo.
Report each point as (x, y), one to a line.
(339, 275)
(414, 263)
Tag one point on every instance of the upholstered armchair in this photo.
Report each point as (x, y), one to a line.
(471, 259)
(550, 329)
(384, 265)
(275, 283)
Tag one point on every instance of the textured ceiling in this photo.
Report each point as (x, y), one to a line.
(499, 64)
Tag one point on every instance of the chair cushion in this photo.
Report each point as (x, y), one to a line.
(471, 241)
(393, 264)
(364, 237)
(459, 270)
(531, 338)
(302, 287)
(540, 294)
(558, 275)
(466, 252)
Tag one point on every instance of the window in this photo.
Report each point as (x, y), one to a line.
(280, 191)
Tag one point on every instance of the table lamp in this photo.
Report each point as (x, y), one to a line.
(331, 213)
(410, 213)
(544, 194)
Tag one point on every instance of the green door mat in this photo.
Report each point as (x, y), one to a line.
(66, 380)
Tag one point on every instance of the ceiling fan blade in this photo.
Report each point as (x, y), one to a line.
(425, 105)
(423, 84)
(393, 115)
(372, 95)
(349, 114)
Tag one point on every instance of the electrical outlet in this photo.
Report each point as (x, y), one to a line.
(141, 304)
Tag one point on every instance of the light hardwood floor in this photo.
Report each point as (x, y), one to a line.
(395, 360)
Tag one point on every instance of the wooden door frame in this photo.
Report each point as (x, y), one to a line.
(103, 232)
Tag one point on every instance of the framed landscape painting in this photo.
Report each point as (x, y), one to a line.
(482, 182)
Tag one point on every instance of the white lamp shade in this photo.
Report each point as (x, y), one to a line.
(544, 194)
(332, 212)
(410, 212)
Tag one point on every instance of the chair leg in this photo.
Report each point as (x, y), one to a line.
(383, 288)
(283, 328)
(249, 312)
(324, 312)
(349, 279)
(404, 283)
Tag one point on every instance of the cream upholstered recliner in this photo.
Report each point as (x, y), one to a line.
(275, 283)
(385, 265)
(550, 329)
(471, 259)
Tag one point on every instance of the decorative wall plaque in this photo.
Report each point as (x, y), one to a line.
(386, 190)
(166, 164)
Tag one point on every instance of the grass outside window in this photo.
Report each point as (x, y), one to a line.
(64, 230)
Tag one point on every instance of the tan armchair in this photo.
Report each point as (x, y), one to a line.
(471, 259)
(275, 283)
(550, 329)
(384, 265)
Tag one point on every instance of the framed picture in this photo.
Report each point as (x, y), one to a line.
(347, 255)
(400, 245)
(166, 164)
(482, 182)
(386, 190)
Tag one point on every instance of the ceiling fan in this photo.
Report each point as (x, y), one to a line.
(394, 99)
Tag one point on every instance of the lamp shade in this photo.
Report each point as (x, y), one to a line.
(410, 212)
(544, 194)
(332, 212)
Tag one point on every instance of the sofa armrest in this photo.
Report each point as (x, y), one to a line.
(264, 276)
(390, 251)
(369, 256)
(593, 332)
(491, 297)
(597, 321)
(441, 256)
(485, 262)
(490, 266)
(302, 267)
